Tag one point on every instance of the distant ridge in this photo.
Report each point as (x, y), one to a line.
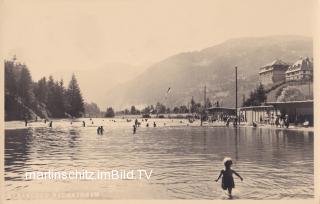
(186, 73)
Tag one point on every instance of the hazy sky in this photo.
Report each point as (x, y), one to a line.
(55, 36)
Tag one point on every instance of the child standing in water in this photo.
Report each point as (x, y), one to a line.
(227, 178)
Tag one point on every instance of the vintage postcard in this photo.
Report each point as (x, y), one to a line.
(154, 100)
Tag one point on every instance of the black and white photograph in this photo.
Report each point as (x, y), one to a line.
(159, 100)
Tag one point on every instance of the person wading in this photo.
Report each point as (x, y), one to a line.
(227, 178)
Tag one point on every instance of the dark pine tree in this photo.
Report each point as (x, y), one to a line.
(109, 113)
(10, 78)
(60, 103)
(25, 86)
(257, 97)
(75, 104)
(261, 94)
(51, 97)
(133, 110)
(41, 90)
(193, 106)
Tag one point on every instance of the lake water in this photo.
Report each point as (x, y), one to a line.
(275, 164)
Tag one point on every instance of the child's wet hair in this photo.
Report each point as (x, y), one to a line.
(227, 161)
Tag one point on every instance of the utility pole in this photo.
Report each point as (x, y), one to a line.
(202, 115)
(309, 81)
(205, 97)
(236, 70)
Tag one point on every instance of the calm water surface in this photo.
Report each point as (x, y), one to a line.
(275, 164)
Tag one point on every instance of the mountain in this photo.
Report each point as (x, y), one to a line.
(187, 73)
(95, 82)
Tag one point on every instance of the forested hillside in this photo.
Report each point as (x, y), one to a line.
(46, 98)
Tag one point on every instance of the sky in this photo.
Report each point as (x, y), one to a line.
(59, 37)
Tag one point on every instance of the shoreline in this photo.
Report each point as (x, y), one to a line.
(161, 123)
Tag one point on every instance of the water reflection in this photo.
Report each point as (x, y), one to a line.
(16, 152)
(236, 143)
(274, 163)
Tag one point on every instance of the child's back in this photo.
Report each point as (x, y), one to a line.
(227, 177)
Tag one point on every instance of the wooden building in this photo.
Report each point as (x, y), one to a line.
(298, 111)
(257, 114)
(220, 113)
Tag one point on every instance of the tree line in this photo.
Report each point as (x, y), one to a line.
(257, 97)
(92, 110)
(25, 99)
(159, 108)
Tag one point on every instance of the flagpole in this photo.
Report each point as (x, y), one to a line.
(236, 70)
(167, 93)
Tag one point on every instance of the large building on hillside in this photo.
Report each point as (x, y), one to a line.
(273, 72)
(301, 70)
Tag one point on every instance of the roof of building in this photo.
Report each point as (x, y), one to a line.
(269, 67)
(301, 64)
(276, 62)
(256, 107)
(220, 108)
(290, 102)
(224, 109)
(273, 105)
(291, 105)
